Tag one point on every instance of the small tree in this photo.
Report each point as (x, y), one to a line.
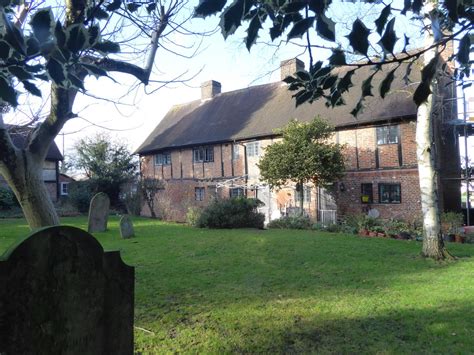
(149, 188)
(304, 155)
(107, 163)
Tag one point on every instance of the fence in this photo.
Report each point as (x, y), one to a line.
(327, 217)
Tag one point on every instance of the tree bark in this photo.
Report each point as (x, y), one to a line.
(433, 245)
(300, 192)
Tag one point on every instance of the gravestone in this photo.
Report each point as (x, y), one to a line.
(98, 213)
(126, 227)
(61, 294)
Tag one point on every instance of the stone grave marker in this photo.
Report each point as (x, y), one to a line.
(98, 213)
(61, 294)
(126, 227)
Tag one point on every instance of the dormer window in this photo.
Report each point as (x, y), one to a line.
(163, 159)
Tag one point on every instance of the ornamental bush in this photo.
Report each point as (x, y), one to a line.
(232, 213)
(80, 195)
(290, 222)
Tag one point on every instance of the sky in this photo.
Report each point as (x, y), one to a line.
(130, 115)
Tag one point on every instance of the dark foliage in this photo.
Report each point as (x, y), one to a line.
(232, 213)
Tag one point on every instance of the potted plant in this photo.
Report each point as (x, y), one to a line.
(451, 223)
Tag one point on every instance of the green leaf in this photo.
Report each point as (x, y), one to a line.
(387, 83)
(289, 79)
(389, 38)
(326, 28)
(302, 96)
(56, 71)
(421, 93)
(358, 109)
(32, 46)
(30, 87)
(107, 47)
(75, 81)
(60, 34)
(94, 33)
(209, 7)
(463, 50)
(418, 4)
(4, 50)
(345, 83)
(94, 70)
(337, 57)
(7, 93)
(151, 7)
(294, 6)
(77, 38)
(382, 20)
(99, 13)
(329, 82)
(367, 86)
(252, 31)
(13, 36)
(303, 75)
(114, 5)
(34, 68)
(359, 37)
(406, 6)
(406, 77)
(406, 43)
(319, 6)
(301, 27)
(132, 7)
(231, 18)
(427, 74)
(42, 24)
(19, 72)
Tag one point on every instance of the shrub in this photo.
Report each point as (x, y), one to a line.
(80, 195)
(132, 202)
(7, 199)
(232, 213)
(291, 222)
(451, 222)
(193, 215)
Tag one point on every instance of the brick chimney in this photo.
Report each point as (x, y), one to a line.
(290, 66)
(209, 89)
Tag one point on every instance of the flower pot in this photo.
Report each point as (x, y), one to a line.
(459, 238)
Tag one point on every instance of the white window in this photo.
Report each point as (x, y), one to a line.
(163, 159)
(306, 195)
(203, 154)
(64, 188)
(253, 149)
(387, 135)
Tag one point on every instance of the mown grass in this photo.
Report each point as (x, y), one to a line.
(280, 291)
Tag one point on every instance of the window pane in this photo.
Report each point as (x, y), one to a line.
(389, 193)
(366, 193)
(235, 152)
(387, 135)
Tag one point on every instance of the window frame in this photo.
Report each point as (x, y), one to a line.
(383, 134)
(203, 154)
(61, 190)
(363, 193)
(253, 149)
(164, 160)
(199, 193)
(307, 190)
(391, 191)
(239, 194)
(235, 152)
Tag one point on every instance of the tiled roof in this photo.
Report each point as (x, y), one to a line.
(258, 110)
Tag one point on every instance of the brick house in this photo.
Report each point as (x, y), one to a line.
(209, 148)
(50, 166)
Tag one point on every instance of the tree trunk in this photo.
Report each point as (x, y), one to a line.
(433, 245)
(300, 192)
(25, 177)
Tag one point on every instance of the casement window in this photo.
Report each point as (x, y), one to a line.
(163, 159)
(390, 193)
(236, 192)
(253, 149)
(203, 154)
(366, 193)
(64, 188)
(235, 152)
(388, 135)
(199, 193)
(306, 195)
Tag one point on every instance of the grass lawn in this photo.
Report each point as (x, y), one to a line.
(250, 291)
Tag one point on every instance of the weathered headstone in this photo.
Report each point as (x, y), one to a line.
(61, 294)
(126, 227)
(98, 213)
